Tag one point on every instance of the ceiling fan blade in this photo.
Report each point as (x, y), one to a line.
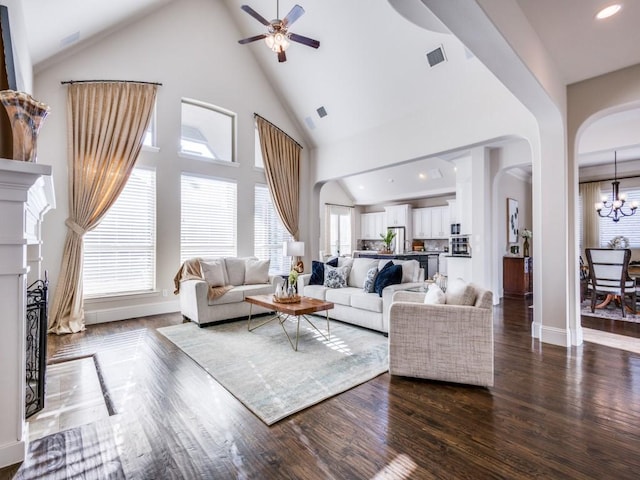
(296, 12)
(255, 15)
(252, 39)
(282, 57)
(309, 42)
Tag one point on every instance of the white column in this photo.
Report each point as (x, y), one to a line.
(16, 181)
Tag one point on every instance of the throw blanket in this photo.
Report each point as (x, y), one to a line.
(191, 270)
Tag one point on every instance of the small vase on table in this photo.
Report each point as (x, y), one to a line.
(525, 247)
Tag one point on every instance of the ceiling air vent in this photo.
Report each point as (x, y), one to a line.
(436, 56)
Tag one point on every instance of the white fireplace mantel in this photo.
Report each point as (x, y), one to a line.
(26, 194)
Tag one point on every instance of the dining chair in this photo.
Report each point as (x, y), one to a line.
(609, 276)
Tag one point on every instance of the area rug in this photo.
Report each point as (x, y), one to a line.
(610, 312)
(271, 379)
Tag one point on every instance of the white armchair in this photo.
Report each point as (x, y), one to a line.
(451, 343)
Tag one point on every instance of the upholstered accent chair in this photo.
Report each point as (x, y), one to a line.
(446, 342)
(609, 277)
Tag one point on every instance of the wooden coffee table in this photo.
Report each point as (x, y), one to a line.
(284, 311)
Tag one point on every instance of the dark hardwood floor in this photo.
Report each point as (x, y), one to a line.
(553, 413)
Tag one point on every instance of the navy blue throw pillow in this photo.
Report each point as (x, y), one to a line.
(333, 262)
(317, 273)
(389, 275)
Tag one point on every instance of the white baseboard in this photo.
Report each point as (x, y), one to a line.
(133, 311)
(12, 453)
(552, 335)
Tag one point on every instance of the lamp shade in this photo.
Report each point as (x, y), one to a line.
(293, 249)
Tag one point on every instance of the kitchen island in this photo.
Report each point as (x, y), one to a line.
(428, 259)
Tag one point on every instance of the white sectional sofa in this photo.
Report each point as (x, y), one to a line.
(354, 305)
(195, 302)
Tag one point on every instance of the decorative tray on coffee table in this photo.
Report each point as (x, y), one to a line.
(294, 299)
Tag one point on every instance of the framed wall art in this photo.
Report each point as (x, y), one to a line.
(512, 220)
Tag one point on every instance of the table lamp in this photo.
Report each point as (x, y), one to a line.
(295, 250)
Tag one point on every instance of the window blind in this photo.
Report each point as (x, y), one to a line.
(269, 233)
(120, 253)
(627, 226)
(208, 217)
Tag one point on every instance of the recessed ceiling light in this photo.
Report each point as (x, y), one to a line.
(609, 11)
(361, 187)
(422, 175)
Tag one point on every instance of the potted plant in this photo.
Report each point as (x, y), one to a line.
(387, 239)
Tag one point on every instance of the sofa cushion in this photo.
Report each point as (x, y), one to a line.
(335, 277)
(235, 270)
(390, 275)
(235, 295)
(460, 292)
(256, 271)
(368, 286)
(341, 296)
(366, 301)
(214, 272)
(256, 289)
(359, 269)
(435, 295)
(315, 291)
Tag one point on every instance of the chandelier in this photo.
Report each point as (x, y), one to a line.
(614, 208)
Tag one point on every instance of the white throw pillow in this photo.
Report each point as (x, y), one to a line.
(256, 271)
(214, 272)
(410, 270)
(235, 269)
(335, 277)
(435, 296)
(460, 292)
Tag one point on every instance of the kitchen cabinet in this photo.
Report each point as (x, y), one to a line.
(431, 223)
(440, 226)
(398, 215)
(517, 276)
(372, 225)
(422, 223)
(453, 211)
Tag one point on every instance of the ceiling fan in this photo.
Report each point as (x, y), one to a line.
(278, 36)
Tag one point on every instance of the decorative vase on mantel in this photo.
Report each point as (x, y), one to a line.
(26, 116)
(525, 247)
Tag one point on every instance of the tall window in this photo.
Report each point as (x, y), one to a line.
(269, 233)
(208, 131)
(150, 138)
(339, 227)
(208, 221)
(627, 226)
(120, 253)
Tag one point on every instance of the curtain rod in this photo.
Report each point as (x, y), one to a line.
(339, 205)
(278, 128)
(64, 82)
(609, 179)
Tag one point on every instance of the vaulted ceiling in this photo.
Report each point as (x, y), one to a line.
(371, 66)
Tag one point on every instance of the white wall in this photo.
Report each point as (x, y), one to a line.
(167, 47)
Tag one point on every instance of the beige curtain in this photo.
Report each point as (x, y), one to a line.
(107, 121)
(281, 155)
(590, 194)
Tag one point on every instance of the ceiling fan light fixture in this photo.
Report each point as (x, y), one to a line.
(277, 41)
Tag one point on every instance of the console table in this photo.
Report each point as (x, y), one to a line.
(517, 276)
